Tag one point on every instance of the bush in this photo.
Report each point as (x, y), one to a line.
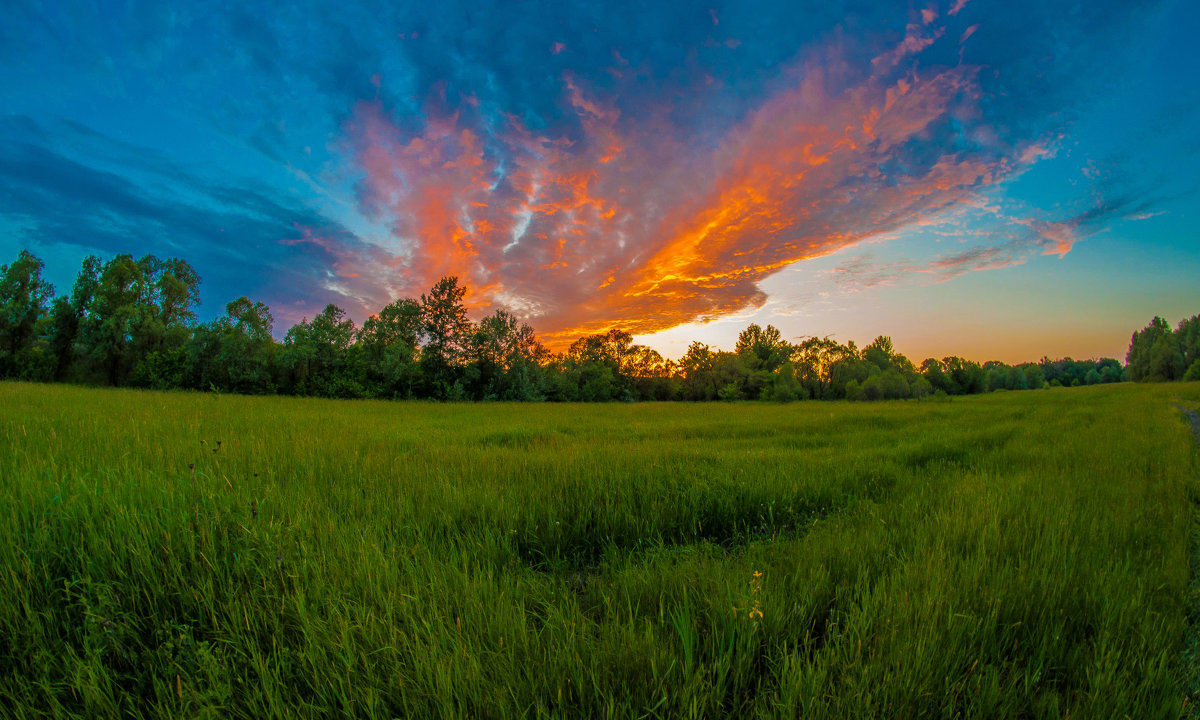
(729, 392)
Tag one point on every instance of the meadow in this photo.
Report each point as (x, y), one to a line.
(201, 555)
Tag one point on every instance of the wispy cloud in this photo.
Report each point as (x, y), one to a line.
(256, 242)
(624, 226)
(980, 220)
(864, 272)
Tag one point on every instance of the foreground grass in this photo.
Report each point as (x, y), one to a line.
(1017, 555)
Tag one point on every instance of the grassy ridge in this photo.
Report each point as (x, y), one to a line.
(1013, 555)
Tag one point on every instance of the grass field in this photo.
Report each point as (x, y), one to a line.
(182, 555)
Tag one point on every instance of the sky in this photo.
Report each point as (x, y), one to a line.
(995, 180)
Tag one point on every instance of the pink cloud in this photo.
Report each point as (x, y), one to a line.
(989, 257)
(623, 226)
(1059, 236)
(915, 40)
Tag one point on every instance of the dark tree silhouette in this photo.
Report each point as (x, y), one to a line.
(133, 322)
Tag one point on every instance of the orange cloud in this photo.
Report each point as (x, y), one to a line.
(619, 225)
(1059, 237)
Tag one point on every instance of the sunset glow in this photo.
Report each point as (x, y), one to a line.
(717, 167)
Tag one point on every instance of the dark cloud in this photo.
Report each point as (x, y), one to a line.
(241, 240)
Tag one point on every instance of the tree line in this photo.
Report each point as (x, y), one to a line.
(1159, 354)
(132, 323)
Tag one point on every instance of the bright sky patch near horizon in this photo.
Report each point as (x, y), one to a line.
(993, 180)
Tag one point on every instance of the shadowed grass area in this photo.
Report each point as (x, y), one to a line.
(1015, 555)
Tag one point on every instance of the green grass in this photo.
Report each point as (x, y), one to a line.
(1016, 555)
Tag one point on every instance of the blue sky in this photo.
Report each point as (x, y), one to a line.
(995, 180)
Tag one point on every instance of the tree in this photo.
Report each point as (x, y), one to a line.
(504, 357)
(1188, 337)
(762, 352)
(893, 385)
(1166, 361)
(317, 357)
(64, 325)
(176, 291)
(24, 302)
(784, 386)
(966, 376)
(849, 366)
(762, 349)
(1110, 370)
(1015, 379)
(106, 334)
(1154, 354)
(389, 341)
(236, 352)
(1034, 378)
(169, 292)
(68, 315)
(649, 374)
(729, 392)
(597, 366)
(814, 359)
(446, 332)
(997, 376)
(698, 367)
(879, 353)
(918, 386)
(135, 317)
(731, 371)
(935, 375)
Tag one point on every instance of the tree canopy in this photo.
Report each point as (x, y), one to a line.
(130, 322)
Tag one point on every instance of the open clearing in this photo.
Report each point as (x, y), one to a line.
(1012, 555)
